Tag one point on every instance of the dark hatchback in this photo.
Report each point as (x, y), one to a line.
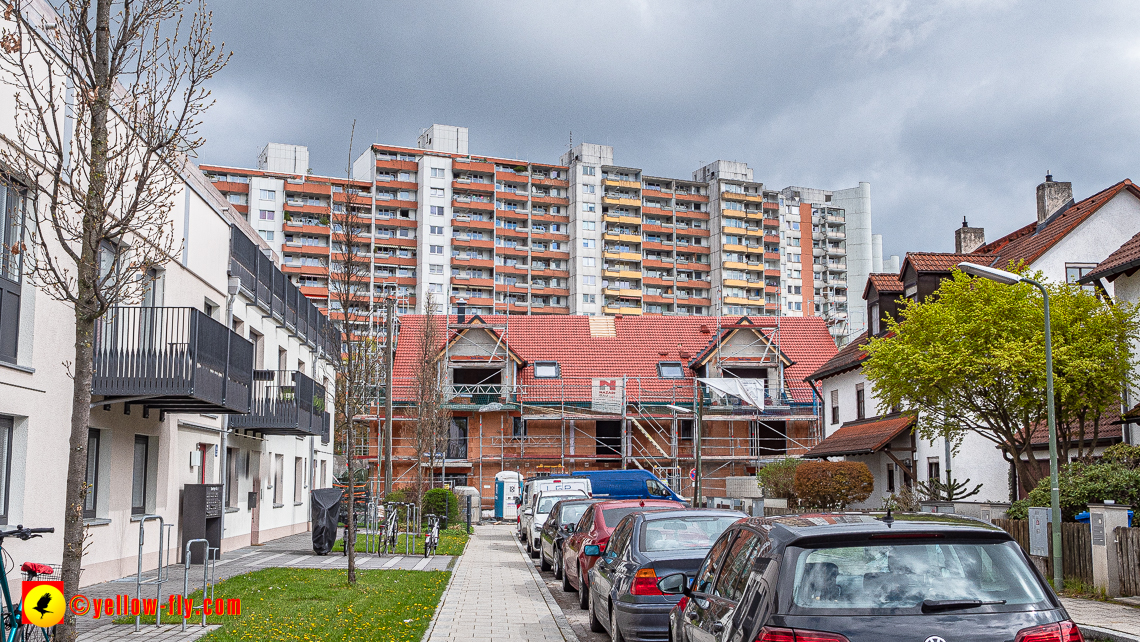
(623, 594)
(863, 578)
(557, 528)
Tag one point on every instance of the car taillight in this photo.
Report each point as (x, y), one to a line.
(1065, 631)
(769, 634)
(683, 602)
(645, 583)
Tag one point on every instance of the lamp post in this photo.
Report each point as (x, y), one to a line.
(1009, 278)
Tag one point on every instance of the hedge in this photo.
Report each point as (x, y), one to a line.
(833, 485)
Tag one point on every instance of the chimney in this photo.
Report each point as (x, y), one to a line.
(967, 239)
(461, 309)
(1052, 197)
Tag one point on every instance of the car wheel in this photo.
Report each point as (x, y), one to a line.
(534, 554)
(557, 564)
(615, 633)
(566, 586)
(543, 565)
(583, 590)
(595, 624)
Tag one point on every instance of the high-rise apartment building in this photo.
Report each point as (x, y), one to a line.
(583, 236)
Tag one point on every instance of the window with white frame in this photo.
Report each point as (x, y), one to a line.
(435, 269)
(588, 261)
(670, 370)
(589, 207)
(438, 172)
(268, 195)
(438, 192)
(435, 249)
(436, 210)
(588, 243)
(589, 226)
(588, 189)
(266, 215)
(435, 229)
(547, 370)
(435, 288)
(589, 298)
(589, 279)
(589, 171)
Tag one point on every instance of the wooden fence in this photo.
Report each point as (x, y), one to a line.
(1128, 548)
(1076, 548)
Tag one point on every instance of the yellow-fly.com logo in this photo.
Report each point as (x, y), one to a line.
(43, 602)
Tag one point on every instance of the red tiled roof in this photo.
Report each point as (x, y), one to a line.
(1031, 242)
(1110, 429)
(862, 437)
(940, 261)
(640, 343)
(884, 283)
(1124, 259)
(846, 359)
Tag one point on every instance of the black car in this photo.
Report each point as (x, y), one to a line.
(623, 594)
(863, 578)
(563, 516)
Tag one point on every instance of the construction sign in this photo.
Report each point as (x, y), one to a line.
(607, 395)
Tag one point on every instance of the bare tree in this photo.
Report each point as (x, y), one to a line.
(359, 369)
(109, 97)
(432, 418)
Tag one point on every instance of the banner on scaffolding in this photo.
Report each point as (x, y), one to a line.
(606, 395)
(750, 391)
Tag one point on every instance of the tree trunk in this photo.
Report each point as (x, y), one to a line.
(1029, 471)
(350, 527)
(87, 275)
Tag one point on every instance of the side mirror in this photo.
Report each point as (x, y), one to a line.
(593, 550)
(528, 512)
(674, 584)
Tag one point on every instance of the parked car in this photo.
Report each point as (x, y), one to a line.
(535, 516)
(532, 486)
(626, 484)
(558, 527)
(623, 594)
(849, 578)
(592, 533)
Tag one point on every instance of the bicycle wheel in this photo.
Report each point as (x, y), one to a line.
(32, 633)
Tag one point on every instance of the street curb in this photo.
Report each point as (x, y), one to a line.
(1106, 634)
(555, 610)
(452, 567)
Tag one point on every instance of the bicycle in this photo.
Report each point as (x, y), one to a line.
(431, 542)
(391, 528)
(12, 629)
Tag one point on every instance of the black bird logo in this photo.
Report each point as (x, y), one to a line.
(42, 604)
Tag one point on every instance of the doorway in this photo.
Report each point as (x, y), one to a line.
(608, 435)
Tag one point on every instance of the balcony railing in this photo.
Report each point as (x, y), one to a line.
(285, 402)
(175, 359)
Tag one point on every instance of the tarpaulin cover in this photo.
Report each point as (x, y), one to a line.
(750, 391)
(326, 509)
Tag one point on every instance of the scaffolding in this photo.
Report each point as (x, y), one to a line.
(566, 423)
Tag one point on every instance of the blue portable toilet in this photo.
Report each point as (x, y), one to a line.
(508, 485)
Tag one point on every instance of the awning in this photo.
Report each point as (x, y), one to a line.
(862, 437)
(750, 391)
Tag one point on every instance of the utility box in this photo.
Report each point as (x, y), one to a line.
(1104, 519)
(202, 514)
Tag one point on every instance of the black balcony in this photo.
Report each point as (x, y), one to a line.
(174, 359)
(285, 402)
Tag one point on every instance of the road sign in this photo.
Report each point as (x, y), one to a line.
(693, 474)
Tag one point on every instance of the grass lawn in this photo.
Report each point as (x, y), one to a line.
(306, 605)
(451, 542)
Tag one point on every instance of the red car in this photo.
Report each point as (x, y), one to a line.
(593, 530)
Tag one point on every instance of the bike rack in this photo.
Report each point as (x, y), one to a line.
(163, 569)
(207, 575)
(411, 518)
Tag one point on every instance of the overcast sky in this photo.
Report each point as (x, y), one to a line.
(946, 108)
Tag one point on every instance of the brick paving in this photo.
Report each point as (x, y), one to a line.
(1103, 615)
(294, 551)
(496, 594)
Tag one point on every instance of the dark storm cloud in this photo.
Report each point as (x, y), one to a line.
(947, 109)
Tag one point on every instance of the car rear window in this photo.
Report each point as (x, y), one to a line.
(611, 516)
(548, 502)
(901, 576)
(683, 533)
(572, 513)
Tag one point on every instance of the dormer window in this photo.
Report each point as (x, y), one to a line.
(547, 370)
(875, 319)
(670, 370)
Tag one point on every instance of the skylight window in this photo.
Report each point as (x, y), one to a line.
(547, 370)
(670, 370)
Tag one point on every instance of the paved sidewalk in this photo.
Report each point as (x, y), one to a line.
(495, 594)
(1104, 615)
(294, 551)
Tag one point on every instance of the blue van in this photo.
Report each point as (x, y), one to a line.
(627, 484)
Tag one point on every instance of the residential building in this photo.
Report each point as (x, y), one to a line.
(1069, 241)
(583, 236)
(611, 392)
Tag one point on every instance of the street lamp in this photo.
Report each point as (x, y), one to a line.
(1009, 278)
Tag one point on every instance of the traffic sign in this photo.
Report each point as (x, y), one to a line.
(693, 474)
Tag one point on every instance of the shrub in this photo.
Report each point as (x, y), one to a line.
(435, 500)
(833, 485)
(778, 478)
(1081, 483)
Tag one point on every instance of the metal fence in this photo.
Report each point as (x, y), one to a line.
(285, 402)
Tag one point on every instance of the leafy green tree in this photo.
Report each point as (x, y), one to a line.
(778, 478)
(441, 501)
(1082, 483)
(971, 359)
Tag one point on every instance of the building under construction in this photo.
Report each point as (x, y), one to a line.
(540, 394)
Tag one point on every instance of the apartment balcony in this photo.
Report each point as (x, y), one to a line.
(742, 198)
(621, 310)
(175, 359)
(630, 201)
(609, 182)
(285, 402)
(836, 235)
